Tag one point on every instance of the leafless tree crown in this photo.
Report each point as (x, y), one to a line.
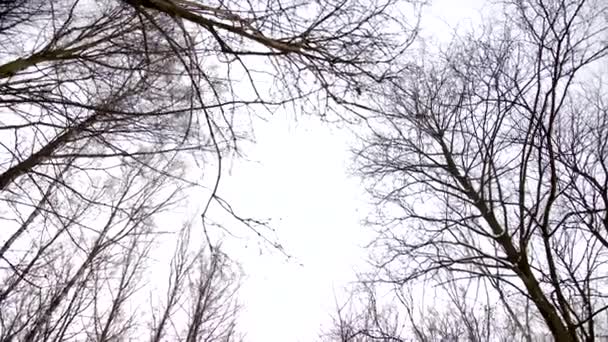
(489, 164)
(112, 111)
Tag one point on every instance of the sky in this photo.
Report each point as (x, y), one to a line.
(297, 174)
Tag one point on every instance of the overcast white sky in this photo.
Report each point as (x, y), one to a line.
(298, 176)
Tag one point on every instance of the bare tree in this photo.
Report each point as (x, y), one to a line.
(201, 302)
(448, 312)
(112, 111)
(489, 164)
(363, 317)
